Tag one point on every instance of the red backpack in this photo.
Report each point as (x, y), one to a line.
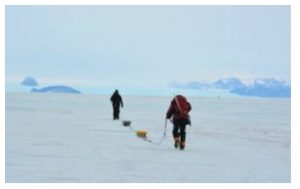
(181, 106)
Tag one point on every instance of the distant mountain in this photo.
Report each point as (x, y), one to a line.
(225, 84)
(230, 83)
(29, 81)
(55, 89)
(197, 85)
(262, 87)
(270, 83)
(191, 85)
(269, 87)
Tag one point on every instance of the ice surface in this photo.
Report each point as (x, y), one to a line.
(65, 138)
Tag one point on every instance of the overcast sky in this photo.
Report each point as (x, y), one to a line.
(146, 45)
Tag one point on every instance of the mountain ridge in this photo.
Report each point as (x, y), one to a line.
(55, 89)
(260, 87)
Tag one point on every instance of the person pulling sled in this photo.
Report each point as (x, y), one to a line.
(178, 111)
(117, 101)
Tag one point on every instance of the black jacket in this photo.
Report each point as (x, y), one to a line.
(116, 100)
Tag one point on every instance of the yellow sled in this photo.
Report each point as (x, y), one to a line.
(141, 134)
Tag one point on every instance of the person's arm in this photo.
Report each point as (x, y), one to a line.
(121, 101)
(170, 111)
(190, 107)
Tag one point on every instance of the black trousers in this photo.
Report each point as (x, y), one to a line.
(179, 129)
(116, 112)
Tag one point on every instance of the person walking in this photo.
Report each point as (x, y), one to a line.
(117, 101)
(178, 111)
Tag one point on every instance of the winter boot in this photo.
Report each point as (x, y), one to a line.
(182, 145)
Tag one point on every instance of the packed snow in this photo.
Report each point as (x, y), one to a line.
(68, 138)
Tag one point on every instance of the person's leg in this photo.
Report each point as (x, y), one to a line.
(176, 135)
(115, 114)
(182, 136)
(118, 113)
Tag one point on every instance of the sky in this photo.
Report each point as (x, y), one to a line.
(146, 45)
